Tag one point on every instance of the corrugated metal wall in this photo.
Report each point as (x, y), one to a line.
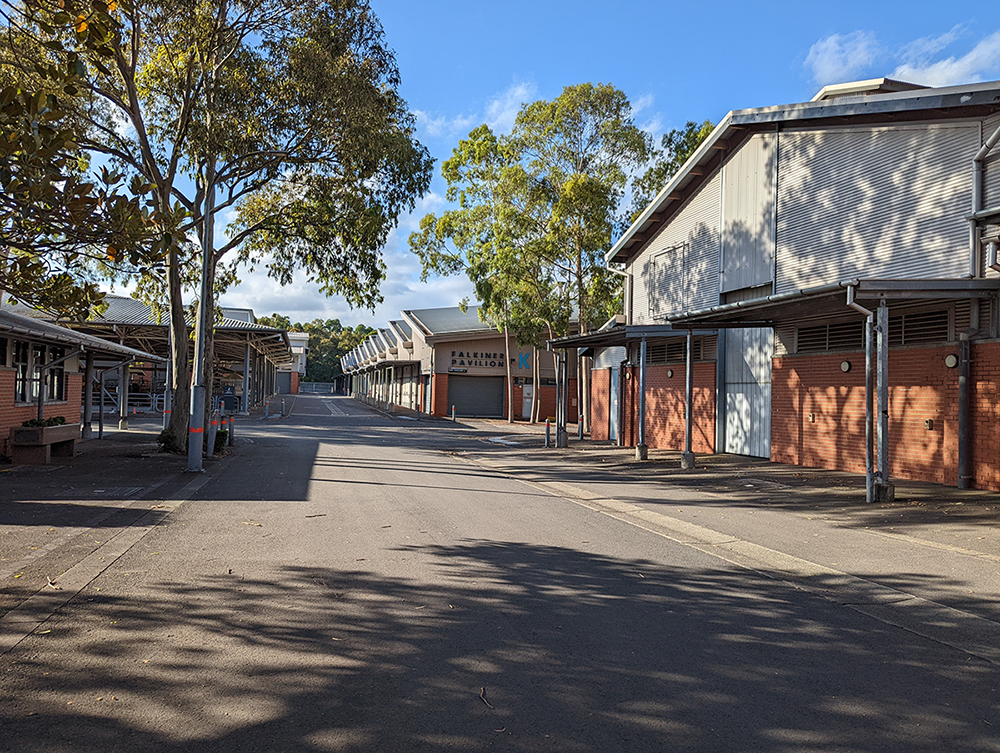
(608, 358)
(991, 184)
(748, 214)
(657, 289)
(870, 202)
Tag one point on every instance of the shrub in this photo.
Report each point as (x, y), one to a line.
(34, 423)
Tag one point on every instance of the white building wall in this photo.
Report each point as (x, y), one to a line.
(679, 270)
(873, 202)
(748, 183)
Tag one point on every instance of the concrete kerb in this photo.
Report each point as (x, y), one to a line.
(970, 633)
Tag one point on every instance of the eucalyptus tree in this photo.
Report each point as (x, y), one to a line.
(676, 146)
(536, 209)
(283, 117)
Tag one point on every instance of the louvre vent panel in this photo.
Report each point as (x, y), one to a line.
(846, 336)
(812, 339)
(675, 351)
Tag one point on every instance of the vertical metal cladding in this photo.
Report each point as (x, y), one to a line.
(679, 269)
(991, 177)
(608, 358)
(748, 214)
(873, 202)
(748, 391)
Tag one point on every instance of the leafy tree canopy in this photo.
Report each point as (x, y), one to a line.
(329, 341)
(676, 146)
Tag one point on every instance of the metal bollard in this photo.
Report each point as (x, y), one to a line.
(282, 407)
(453, 413)
(267, 409)
(213, 429)
(548, 433)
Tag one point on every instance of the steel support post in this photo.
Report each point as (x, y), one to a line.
(123, 397)
(246, 382)
(884, 490)
(687, 457)
(88, 397)
(641, 451)
(964, 433)
(870, 476)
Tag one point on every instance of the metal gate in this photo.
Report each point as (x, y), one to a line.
(476, 396)
(748, 391)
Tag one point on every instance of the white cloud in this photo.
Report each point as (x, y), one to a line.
(920, 49)
(502, 109)
(642, 103)
(981, 62)
(436, 126)
(841, 57)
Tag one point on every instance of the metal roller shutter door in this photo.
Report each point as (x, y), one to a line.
(476, 396)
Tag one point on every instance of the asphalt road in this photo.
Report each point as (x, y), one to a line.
(352, 582)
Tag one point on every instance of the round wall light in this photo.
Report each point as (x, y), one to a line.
(845, 366)
(670, 373)
(951, 360)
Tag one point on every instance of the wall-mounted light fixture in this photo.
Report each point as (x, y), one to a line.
(811, 417)
(929, 424)
(845, 366)
(670, 373)
(951, 360)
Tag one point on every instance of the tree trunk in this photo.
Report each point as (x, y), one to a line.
(536, 383)
(510, 380)
(175, 436)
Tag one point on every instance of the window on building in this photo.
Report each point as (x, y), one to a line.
(55, 377)
(21, 361)
(37, 359)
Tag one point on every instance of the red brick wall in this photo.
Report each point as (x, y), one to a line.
(600, 404)
(984, 404)
(921, 387)
(15, 415)
(665, 403)
(439, 395)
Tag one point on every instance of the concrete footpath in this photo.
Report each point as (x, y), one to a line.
(929, 562)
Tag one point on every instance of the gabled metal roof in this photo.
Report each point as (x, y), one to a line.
(968, 100)
(19, 325)
(448, 321)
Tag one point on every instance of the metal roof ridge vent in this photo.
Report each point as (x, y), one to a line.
(868, 87)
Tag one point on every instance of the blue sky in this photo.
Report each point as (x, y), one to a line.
(464, 64)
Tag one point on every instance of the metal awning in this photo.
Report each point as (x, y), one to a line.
(830, 300)
(622, 335)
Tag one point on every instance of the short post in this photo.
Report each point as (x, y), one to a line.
(213, 429)
(453, 413)
(548, 433)
(267, 409)
(282, 406)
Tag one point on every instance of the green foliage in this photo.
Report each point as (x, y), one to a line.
(35, 423)
(329, 341)
(56, 222)
(536, 210)
(676, 147)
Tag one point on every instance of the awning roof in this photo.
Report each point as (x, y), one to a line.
(38, 329)
(621, 335)
(793, 306)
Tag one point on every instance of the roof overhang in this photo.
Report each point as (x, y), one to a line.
(970, 100)
(830, 300)
(622, 335)
(38, 329)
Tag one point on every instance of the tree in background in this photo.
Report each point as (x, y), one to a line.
(286, 115)
(536, 210)
(329, 341)
(676, 146)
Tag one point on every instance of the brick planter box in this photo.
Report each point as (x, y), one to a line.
(37, 445)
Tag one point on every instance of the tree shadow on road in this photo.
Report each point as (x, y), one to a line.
(506, 645)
